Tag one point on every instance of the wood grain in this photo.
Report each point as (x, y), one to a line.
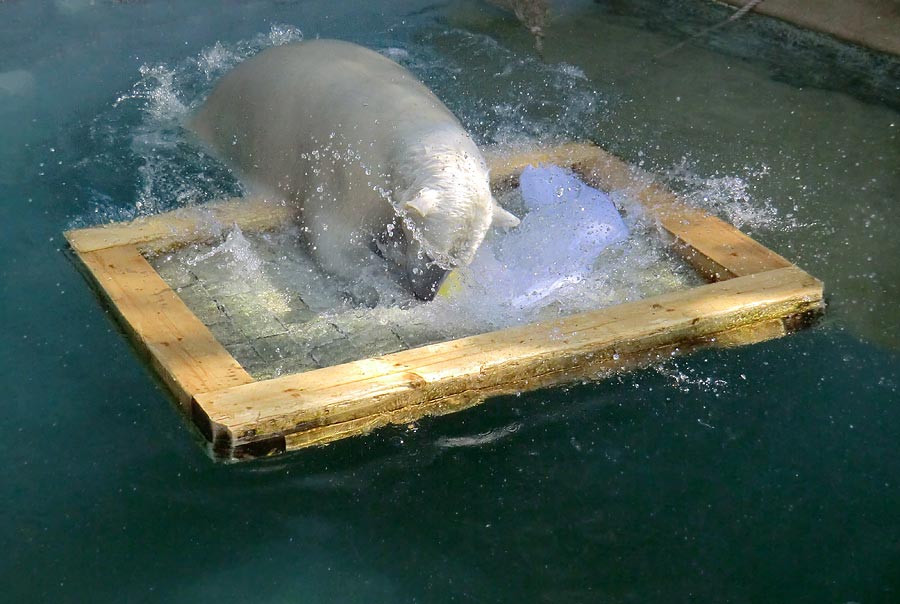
(183, 350)
(161, 232)
(334, 402)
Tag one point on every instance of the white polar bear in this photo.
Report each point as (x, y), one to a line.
(372, 159)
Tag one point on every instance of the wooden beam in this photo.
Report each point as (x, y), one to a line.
(505, 167)
(716, 249)
(339, 401)
(183, 350)
(161, 232)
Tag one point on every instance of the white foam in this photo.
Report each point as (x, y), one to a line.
(281, 34)
(572, 71)
(730, 196)
(236, 251)
(216, 60)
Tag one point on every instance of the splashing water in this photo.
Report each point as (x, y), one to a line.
(172, 172)
(216, 60)
(521, 99)
(157, 90)
(534, 104)
(238, 251)
(687, 379)
(730, 196)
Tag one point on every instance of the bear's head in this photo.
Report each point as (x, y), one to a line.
(446, 207)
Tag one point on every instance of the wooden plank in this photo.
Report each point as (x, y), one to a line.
(161, 232)
(588, 369)
(338, 401)
(183, 350)
(505, 167)
(718, 250)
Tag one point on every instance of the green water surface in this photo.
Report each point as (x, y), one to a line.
(764, 474)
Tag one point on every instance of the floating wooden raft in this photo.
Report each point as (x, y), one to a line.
(754, 295)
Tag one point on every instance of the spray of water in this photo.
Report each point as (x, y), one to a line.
(507, 101)
(730, 196)
(172, 172)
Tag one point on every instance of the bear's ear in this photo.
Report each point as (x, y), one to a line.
(423, 204)
(502, 218)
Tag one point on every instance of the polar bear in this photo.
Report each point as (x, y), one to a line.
(374, 163)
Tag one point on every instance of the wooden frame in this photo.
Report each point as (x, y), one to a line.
(755, 295)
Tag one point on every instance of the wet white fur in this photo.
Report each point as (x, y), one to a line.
(362, 148)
